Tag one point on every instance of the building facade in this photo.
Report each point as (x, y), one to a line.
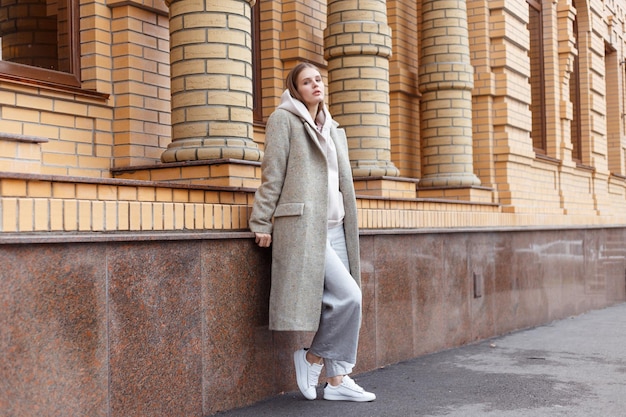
(488, 146)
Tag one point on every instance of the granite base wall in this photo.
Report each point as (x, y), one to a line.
(179, 327)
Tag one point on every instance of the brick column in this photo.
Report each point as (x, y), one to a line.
(357, 48)
(211, 79)
(446, 79)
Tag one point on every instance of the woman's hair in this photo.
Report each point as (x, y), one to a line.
(292, 82)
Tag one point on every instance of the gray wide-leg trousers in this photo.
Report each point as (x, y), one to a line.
(337, 337)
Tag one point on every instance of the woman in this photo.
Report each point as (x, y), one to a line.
(306, 208)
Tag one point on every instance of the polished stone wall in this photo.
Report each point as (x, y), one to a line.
(142, 326)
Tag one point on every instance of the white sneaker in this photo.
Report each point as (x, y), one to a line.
(307, 374)
(348, 390)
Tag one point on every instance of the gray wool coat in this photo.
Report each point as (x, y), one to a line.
(292, 205)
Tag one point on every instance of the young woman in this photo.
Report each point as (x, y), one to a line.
(306, 208)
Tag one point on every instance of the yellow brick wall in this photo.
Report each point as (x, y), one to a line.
(524, 183)
(95, 46)
(402, 18)
(44, 204)
(141, 83)
(73, 132)
(64, 143)
(290, 32)
(125, 56)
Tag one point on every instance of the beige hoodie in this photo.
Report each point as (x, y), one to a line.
(321, 126)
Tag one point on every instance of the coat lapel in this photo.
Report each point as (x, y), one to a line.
(313, 135)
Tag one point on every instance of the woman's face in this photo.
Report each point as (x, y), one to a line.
(311, 86)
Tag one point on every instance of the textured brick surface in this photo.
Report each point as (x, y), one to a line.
(435, 91)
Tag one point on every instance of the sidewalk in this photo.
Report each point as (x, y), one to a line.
(574, 367)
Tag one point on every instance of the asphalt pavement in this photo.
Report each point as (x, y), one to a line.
(575, 367)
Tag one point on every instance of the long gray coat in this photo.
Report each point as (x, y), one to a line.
(294, 193)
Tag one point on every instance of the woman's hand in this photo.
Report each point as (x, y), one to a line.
(263, 239)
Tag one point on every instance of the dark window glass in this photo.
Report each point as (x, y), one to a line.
(257, 101)
(574, 95)
(537, 77)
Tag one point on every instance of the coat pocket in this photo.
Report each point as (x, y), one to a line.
(289, 209)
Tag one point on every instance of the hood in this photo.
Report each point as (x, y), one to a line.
(287, 102)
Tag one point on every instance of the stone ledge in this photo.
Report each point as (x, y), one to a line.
(216, 172)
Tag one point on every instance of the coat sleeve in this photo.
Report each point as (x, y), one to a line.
(273, 169)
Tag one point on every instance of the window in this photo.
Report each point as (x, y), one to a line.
(537, 77)
(39, 41)
(257, 102)
(613, 87)
(574, 96)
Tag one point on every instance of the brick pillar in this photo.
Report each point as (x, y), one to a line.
(446, 79)
(357, 48)
(211, 81)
